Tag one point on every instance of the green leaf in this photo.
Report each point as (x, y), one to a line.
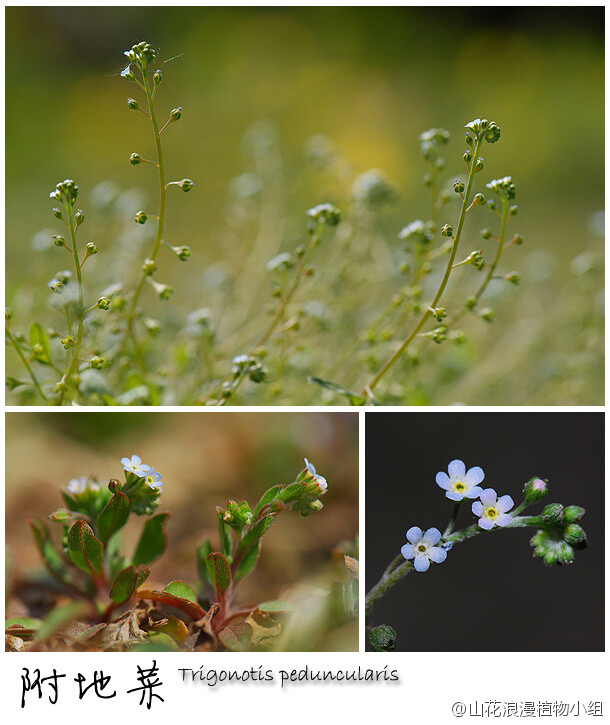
(219, 571)
(266, 498)
(182, 590)
(292, 492)
(152, 541)
(86, 551)
(126, 583)
(202, 553)
(224, 532)
(247, 564)
(113, 517)
(39, 337)
(236, 637)
(49, 553)
(254, 534)
(353, 398)
(276, 605)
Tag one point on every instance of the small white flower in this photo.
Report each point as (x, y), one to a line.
(135, 465)
(153, 479)
(493, 511)
(320, 480)
(423, 548)
(460, 484)
(80, 485)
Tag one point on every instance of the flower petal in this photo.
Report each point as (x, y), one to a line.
(488, 496)
(475, 475)
(414, 534)
(486, 523)
(136, 460)
(454, 496)
(505, 503)
(443, 480)
(456, 469)
(478, 509)
(474, 492)
(422, 563)
(432, 536)
(408, 551)
(504, 520)
(437, 555)
(126, 461)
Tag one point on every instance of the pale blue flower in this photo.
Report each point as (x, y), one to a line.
(80, 485)
(493, 511)
(320, 480)
(460, 484)
(423, 548)
(134, 465)
(153, 479)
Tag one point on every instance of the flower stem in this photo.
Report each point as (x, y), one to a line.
(26, 364)
(451, 524)
(465, 206)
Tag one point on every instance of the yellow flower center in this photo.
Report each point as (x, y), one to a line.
(459, 486)
(421, 548)
(491, 513)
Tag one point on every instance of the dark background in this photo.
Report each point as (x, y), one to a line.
(490, 594)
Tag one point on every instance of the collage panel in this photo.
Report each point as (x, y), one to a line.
(158, 532)
(485, 532)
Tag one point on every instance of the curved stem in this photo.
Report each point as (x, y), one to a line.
(26, 364)
(465, 206)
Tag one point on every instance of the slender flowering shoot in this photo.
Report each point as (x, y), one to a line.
(558, 533)
(117, 605)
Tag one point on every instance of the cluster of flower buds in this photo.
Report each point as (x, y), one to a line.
(482, 129)
(236, 515)
(141, 54)
(249, 365)
(418, 231)
(325, 214)
(66, 192)
(503, 187)
(555, 543)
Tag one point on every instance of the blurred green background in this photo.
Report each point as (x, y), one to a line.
(370, 78)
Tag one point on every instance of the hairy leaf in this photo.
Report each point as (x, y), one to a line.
(114, 516)
(219, 571)
(153, 540)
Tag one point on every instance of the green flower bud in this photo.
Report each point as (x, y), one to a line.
(493, 133)
(127, 73)
(513, 277)
(164, 291)
(79, 217)
(479, 199)
(132, 104)
(512, 210)
(486, 233)
(553, 513)
(140, 217)
(447, 230)
(149, 267)
(575, 535)
(61, 516)
(467, 156)
(176, 113)
(325, 213)
(487, 314)
(573, 513)
(440, 313)
(383, 638)
(60, 387)
(458, 186)
(535, 490)
(479, 165)
(103, 303)
(57, 213)
(114, 486)
(97, 363)
(91, 248)
(59, 240)
(186, 184)
(157, 77)
(68, 341)
(135, 159)
(491, 204)
(183, 252)
(565, 554)
(152, 326)
(471, 303)
(517, 239)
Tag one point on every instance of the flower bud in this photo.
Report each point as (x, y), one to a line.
(103, 303)
(447, 230)
(97, 363)
(183, 252)
(573, 513)
(152, 326)
(486, 233)
(440, 313)
(458, 186)
(59, 240)
(135, 159)
(517, 239)
(91, 248)
(176, 114)
(140, 217)
(56, 286)
(575, 535)
(479, 199)
(79, 217)
(383, 638)
(491, 204)
(149, 267)
(132, 104)
(535, 490)
(68, 341)
(114, 486)
(61, 516)
(186, 184)
(487, 314)
(513, 277)
(127, 73)
(467, 156)
(553, 513)
(157, 77)
(164, 291)
(57, 213)
(479, 165)
(512, 210)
